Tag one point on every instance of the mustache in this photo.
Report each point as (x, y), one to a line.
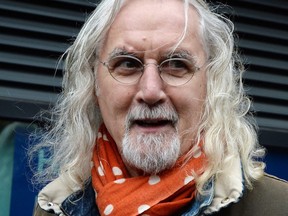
(158, 112)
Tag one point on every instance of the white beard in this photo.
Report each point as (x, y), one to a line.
(152, 152)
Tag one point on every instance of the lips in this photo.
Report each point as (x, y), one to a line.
(152, 118)
(152, 122)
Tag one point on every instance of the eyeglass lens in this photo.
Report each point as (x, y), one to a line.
(128, 69)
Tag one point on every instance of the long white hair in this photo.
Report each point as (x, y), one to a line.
(228, 129)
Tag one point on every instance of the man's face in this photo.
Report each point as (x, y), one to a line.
(152, 122)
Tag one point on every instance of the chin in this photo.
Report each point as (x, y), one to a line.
(150, 153)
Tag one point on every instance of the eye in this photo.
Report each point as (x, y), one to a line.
(125, 65)
(177, 64)
(177, 67)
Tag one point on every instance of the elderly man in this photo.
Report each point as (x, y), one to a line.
(153, 119)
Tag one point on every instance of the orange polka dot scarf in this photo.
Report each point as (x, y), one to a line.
(117, 193)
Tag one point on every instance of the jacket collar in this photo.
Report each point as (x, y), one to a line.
(229, 187)
(53, 194)
(61, 199)
(82, 202)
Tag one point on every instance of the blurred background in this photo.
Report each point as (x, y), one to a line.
(34, 34)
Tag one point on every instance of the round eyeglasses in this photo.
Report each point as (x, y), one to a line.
(129, 69)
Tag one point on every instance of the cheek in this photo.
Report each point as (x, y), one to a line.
(114, 103)
(191, 101)
(113, 96)
(189, 105)
(190, 111)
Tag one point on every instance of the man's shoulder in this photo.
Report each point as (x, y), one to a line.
(269, 196)
(271, 184)
(269, 190)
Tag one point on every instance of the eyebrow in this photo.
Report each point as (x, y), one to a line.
(182, 53)
(178, 53)
(120, 51)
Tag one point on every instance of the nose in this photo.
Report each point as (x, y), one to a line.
(151, 86)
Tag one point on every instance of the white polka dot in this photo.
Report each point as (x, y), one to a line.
(188, 179)
(99, 134)
(120, 181)
(154, 179)
(117, 171)
(108, 210)
(197, 152)
(105, 137)
(143, 208)
(100, 171)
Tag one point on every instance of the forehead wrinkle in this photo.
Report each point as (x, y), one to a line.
(134, 47)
